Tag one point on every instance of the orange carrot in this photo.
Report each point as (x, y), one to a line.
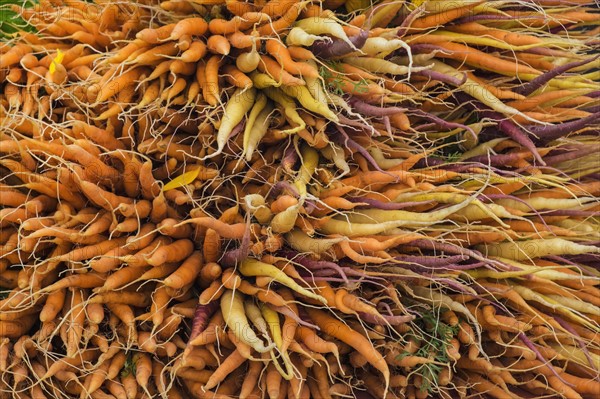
(280, 52)
(341, 331)
(195, 52)
(190, 26)
(218, 44)
(287, 19)
(237, 77)
(270, 66)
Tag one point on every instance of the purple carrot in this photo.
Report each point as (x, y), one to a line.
(290, 158)
(571, 155)
(457, 250)
(560, 259)
(487, 17)
(337, 280)
(347, 270)
(353, 145)
(284, 185)
(358, 125)
(388, 125)
(425, 126)
(496, 160)
(425, 48)
(507, 126)
(387, 307)
(445, 247)
(387, 205)
(441, 122)
(592, 110)
(428, 162)
(201, 316)
(336, 48)
(584, 259)
(418, 268)
(540, 357)
(546, 51)
(512, 130)
(434, 75)
(314, 265)
(432, 261)
(553, 132)
(318, 273)
(594, 94)
(454, 285)
(237, 129)
(284, 310)
(403, 29)
(235, 256)
(385, 319)
(367, 109)
(544, 78)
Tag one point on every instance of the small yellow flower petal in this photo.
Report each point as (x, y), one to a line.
(56, 61)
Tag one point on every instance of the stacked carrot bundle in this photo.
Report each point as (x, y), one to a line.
(293, 199)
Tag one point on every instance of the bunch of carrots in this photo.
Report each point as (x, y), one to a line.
(300, 199)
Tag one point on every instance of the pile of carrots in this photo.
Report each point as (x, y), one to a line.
(300, 199)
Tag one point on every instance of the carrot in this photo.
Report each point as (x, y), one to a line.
(84, 280)
(218, 44)
(232, 307)
(236, 24)
(251, 379)
(257, 130)
(273, 8)
(210, 272)
(195, 52)
(175, 252)
(271, 67)
(485, 61)
(209, 89)
(287, 19)
(189, 26)
(121, 278)
(116, 85)
(95, 380)
(280, 52)
(251, 267)
(273, 382)
(314, 342)
(236, 108)
(116, 389)
(67, 363)
(130, 384)
(53, 305)
(442, 18)
(180, 67)
(14, 55)
(143, 370)
(125, 314)
(237, 77)
(240, 8)
(155, 36)
(249, 59)
(213, 292)
(75, 320)
(160, 301)
(341, 331)
(211, 246)
(186, 273)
